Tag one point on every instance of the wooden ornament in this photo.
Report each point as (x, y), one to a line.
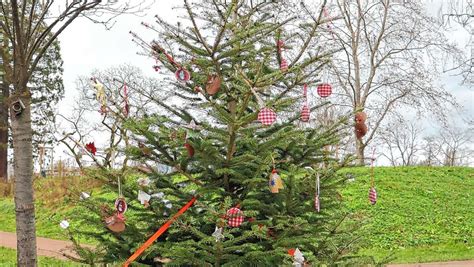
(115, 223)
(213, 84)
(182, 75)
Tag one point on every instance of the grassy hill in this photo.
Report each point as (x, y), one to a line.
(422, 213)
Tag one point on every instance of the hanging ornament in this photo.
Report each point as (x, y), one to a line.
(360, 127)
(372, 196)
(218, 234)
(235, 217)
(298, 258)
(193, 126)
(283, 65)
(64, 224)
(126, 108)
(91, 148)
(167, 203)
(143, 181)
(144, 198)
(372, 192)
(182, 75)
(317, 204)
(100, 95)
(305, 109)
(266, 116)
(116, 222)
(275, 182)
(283, 62)
(213, 84)
(324, 90)
(121, 205)
(190, 149)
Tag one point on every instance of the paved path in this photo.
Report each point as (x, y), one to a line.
(45, 246)
(436, 264)
(57, 249)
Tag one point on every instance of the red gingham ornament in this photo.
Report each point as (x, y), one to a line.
(235, 217)
(372, 196)
(284, 65)
(305, 113)
(266, 116)
(324, 90)
(305, 110)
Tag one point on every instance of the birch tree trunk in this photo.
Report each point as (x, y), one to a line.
(24, 197)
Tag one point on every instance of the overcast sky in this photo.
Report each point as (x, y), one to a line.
(86, 46)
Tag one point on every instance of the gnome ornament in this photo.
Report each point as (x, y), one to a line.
(275, 182)
(298, 258)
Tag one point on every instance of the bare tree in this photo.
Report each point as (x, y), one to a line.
(124, 86)
(401, 140)
(32, 27)
(456, 146)
(388, 59)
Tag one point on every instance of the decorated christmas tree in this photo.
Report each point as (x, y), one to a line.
(237, 133)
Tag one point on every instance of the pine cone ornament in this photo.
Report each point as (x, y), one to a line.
(360, 117)
(360, 130)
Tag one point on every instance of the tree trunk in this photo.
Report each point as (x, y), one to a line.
(24, 200)
(360, 148)
(4, 132)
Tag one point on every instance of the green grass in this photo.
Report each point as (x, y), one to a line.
(8, 258)
(422, 214)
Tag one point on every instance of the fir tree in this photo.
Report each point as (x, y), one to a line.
(226, 158)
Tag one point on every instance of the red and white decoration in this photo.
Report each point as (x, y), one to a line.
(372, 196)
(305, 109)
(182, 75)
(284, 65)
(324, 90)
(283, 62)
(120, 205)
(235, 217)
(317, 202)
(266, 116)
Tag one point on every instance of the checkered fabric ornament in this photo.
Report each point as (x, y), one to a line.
(284, 65)
(305, 114)
(372, 196)
(324, 90)
(235, 217)
(317, 205)
(266, 116)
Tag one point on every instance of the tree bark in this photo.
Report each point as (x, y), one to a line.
(4, 132)
(24, 195)
(360, 149)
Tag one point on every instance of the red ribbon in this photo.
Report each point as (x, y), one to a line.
(158, 233)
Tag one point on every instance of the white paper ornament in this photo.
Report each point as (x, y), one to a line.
(64, 224)
(158, 195)
(84, 196)
(143, 197)
(218, 234)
